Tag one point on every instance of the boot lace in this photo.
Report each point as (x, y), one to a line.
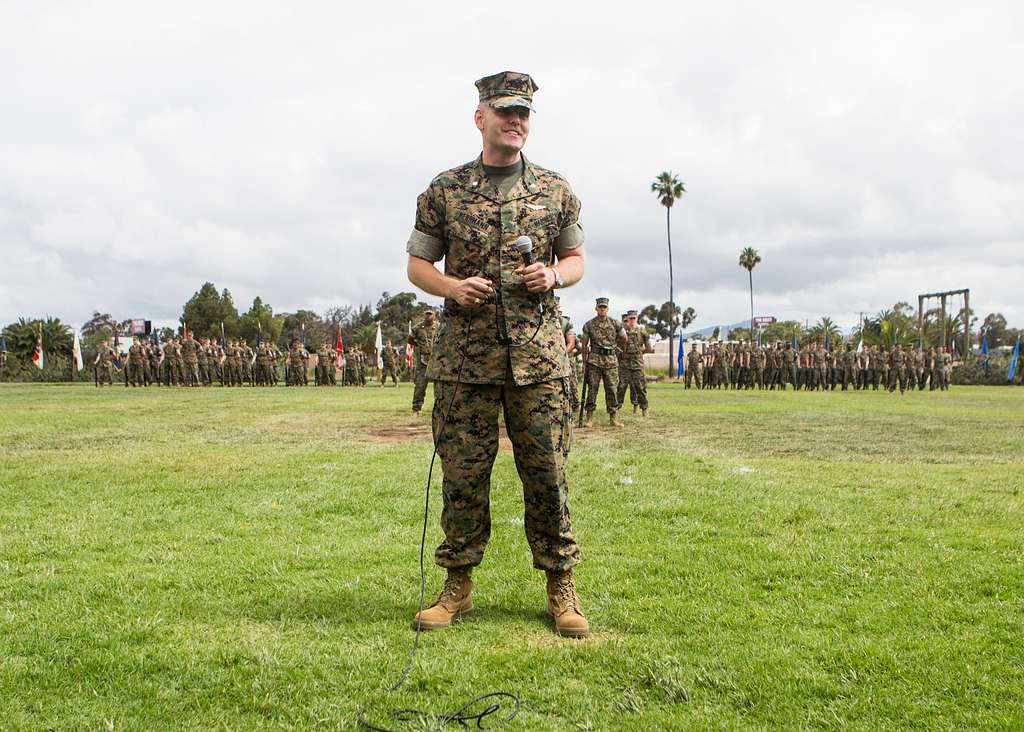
(450, 590)
(566, 589)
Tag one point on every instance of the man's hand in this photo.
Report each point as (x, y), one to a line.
(471, 291)
(537, 277)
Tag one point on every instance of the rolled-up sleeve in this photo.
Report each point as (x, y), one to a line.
(425, 246)
(570, 236)
(427, 238)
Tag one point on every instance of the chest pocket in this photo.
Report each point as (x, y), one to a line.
(539, 222)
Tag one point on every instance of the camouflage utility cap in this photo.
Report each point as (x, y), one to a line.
(507, 89)
(602, 301)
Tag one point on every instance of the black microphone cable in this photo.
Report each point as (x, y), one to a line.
(493, 699)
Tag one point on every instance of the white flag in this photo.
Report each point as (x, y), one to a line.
(860, 345)
(76, 351)
(379, 343)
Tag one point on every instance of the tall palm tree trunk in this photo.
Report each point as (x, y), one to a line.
(750, 274)
(671, 300)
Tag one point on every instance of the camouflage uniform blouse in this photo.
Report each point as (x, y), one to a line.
(423, 337)
(463, 218)
(602, 340)
(637, 341)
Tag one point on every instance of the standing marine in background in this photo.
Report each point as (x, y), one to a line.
(422, 340)
(602, 337)
(631, 368)
(390, 367)
(694, 368)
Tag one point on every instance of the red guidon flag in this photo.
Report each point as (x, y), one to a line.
(37, 357)
(409, 349)
(339, 349)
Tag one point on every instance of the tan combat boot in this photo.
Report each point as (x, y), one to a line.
(564, 605)
(613, 420)
(454, 602)
(590, 420)
(635, 407)
(643, 412)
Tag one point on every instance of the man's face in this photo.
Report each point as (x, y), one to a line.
(631, 322)
(602, 311)
(503, 129)
(430, 317)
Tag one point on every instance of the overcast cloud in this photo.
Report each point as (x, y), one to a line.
(869, 153)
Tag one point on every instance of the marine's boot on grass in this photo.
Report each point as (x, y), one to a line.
(613, 420)
(455, 601)
(564, 605)
(643, 412)
(590, 420)
(635, 408)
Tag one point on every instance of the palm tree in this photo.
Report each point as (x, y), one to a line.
(667, 187)
(826, 331)
(749, 258)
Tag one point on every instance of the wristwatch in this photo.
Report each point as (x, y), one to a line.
(558, 279)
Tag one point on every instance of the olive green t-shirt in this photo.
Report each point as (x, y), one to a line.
(504, 176)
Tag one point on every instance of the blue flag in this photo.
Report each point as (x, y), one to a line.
(679, 370)
(3, 343)
(984, 354)
(826, 343)
(1013, 361)
(795, 346)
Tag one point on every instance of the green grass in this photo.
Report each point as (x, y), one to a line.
(247, 559)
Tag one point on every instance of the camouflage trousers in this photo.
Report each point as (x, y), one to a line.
(192, 373)
(634, 380)
(419, 379)
(538, 419)
(136, 373)
(295, 375)
(387, 371)
(898, 377)
(596, 376)
(103, 373)
(693, 373)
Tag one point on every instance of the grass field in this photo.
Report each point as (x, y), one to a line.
(247, 559)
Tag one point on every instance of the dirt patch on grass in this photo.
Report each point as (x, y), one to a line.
(394, 435)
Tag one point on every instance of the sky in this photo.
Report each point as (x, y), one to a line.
(869, 151)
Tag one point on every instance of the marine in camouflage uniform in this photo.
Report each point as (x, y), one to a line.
(203, 360)
(602, 338)
(190, 360)
(136, 363)
(104, 363)
(897, 370)
(694, 368)
(631, 368)
(500, 347)
(422, 341)
(390, 367)
(296, 365)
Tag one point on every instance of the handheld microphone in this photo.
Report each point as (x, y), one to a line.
(524, 245)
